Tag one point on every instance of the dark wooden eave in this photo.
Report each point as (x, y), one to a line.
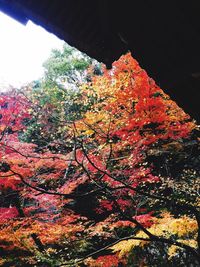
(164, 36)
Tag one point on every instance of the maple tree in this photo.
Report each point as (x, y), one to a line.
(114, 185)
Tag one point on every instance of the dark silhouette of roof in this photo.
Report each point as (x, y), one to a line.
(164, 36)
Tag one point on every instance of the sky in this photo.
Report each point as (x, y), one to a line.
(23, 49)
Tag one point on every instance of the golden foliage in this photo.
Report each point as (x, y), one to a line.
(165, 226)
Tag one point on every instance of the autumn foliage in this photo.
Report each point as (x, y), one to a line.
(114, 184)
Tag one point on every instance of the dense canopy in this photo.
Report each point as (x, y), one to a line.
(104, 174)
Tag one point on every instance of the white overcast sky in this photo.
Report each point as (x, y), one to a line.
(23, 49)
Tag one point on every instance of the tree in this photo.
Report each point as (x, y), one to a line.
(67, 67)
(58, 96)
(124, 192)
